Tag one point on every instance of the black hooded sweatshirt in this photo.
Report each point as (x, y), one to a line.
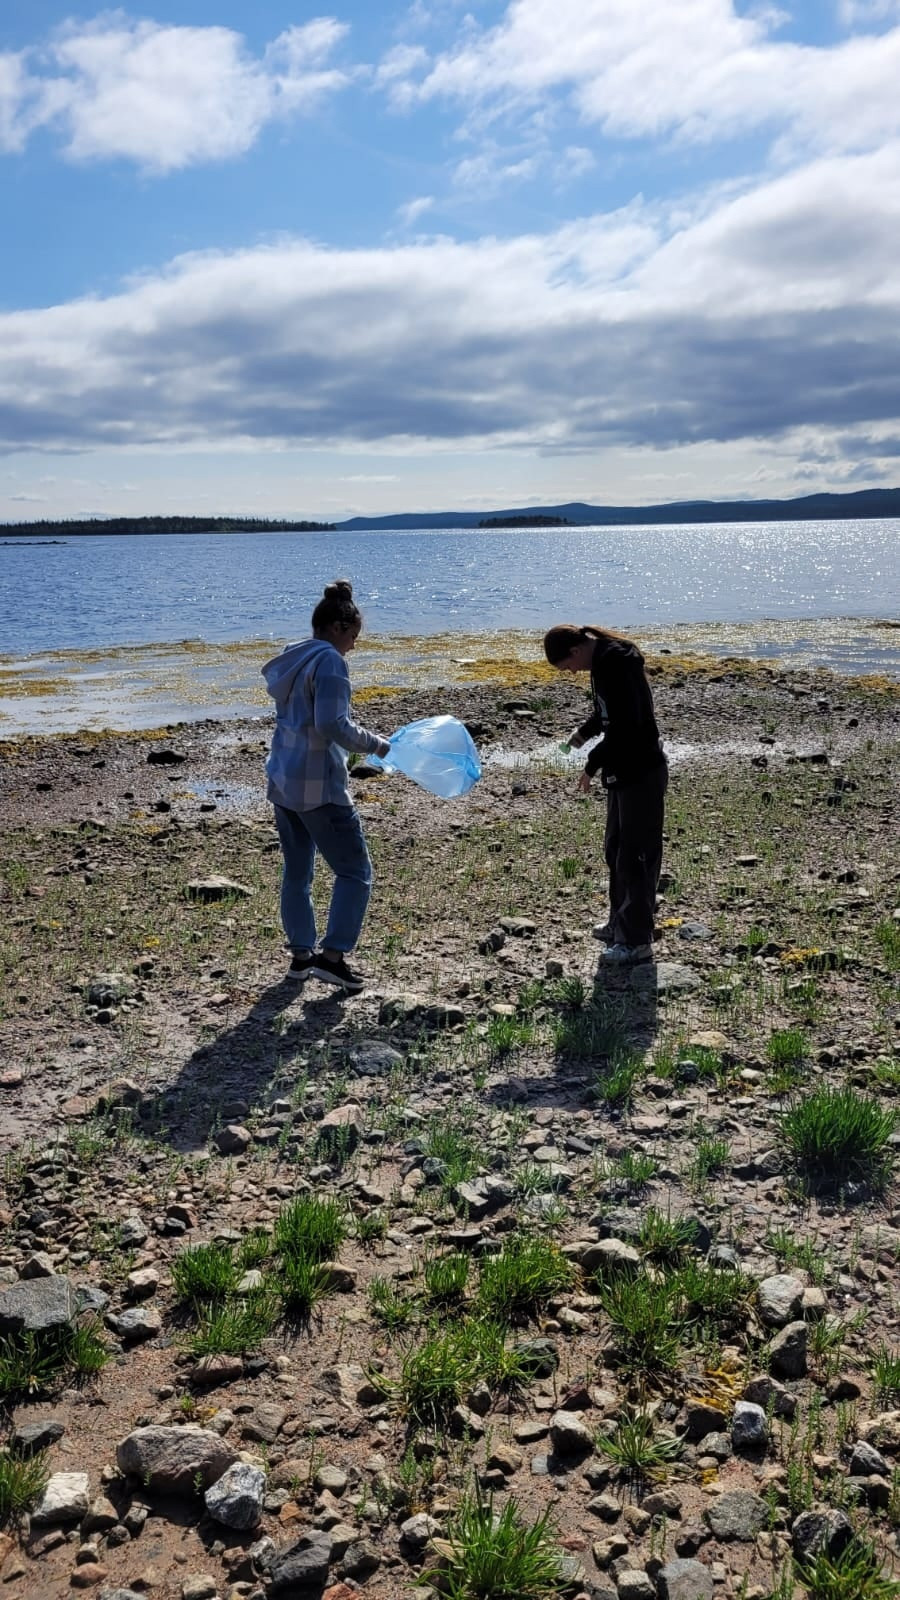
(623, 713)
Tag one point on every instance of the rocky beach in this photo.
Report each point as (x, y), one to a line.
(313, 1297)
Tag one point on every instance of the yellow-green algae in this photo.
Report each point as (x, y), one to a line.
(125, 686)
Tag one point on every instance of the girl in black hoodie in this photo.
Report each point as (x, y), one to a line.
(633, 771)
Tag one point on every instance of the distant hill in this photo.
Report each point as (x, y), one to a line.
(808, 508)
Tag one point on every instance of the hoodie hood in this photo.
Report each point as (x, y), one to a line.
(281, 672)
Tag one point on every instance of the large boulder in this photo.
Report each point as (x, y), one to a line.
(174, 1460)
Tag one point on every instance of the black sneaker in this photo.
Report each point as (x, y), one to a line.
(337, 973)
(301, 968)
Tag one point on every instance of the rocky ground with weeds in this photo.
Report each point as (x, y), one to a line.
(507, 1277)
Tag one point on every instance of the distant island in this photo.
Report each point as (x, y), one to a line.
(807, 508)
(118, 525)
(532, 520)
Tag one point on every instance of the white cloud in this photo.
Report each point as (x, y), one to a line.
(165, 97)
(414, 209)
(738, 317)
(853, 11)
(487, 174)
(696, 71)
(576, 160)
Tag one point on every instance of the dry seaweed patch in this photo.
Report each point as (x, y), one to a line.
(501, 1268)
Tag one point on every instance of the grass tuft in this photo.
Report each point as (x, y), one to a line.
(838, 1136)
(496, 1556)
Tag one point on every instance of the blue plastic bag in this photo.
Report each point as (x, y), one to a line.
(436, 752)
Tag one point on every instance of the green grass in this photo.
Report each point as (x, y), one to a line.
(886, 1373)
(838, 1136)
(712, 1295)
(302, 1284)
(517, 1283)
(633, 1169)
(711, 1157)
(507, 1034)
(435, 1376)
(856, 1574)
(205, 1273)
(887, 936)
(311, 1229)
(22, 1481)
(592, 1033)
(389, 1307)
(666, 1240)
(644, 1324)
(787, 1047)
(616, 1082)
(637, 1449)
(446, 1279)
(234, 1330)
(449, 1138)
(488, 1555)
(33, 1364)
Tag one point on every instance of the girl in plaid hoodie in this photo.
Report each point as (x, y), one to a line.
(308, 785)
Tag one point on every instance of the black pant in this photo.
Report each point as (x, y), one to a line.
(633, 849)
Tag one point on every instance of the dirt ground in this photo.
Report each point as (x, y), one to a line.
(142, 1020)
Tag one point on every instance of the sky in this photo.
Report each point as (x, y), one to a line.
(280, 260)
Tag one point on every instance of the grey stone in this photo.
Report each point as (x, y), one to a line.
(569, 1435)
(101, 1516)
(372, 1059)
(301, 1570)
(780, 1299)
(684, 1580)
(36, 1305)
(108, 988)
(749, 1427)
(137, 1325)
(65, 1499)
(201, 1587)
(39, 1265)
(666, 977)
(702, 1418)
(817, 1533)
(608, 1254)
(787, 1352)
(771, 1395)
(360, 1560)
(417, 1532)
(232, 1140)
(866, 1459)
(236, 1499)
(32, 1437)
(217, 887)
(341, 1129)
(634, 1584)
(132, 1232)
(265, 1422)
(695, 932)
(738, 1514)
(171, 1460)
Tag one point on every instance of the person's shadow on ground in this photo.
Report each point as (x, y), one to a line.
(600, 1034)
(226, 1078)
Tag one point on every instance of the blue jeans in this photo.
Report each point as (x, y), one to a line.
(336, 832)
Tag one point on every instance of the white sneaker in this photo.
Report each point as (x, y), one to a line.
(624, 954)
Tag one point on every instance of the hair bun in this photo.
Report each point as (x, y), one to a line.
(340, 589)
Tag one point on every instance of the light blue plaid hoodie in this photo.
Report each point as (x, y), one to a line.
(307, 768)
